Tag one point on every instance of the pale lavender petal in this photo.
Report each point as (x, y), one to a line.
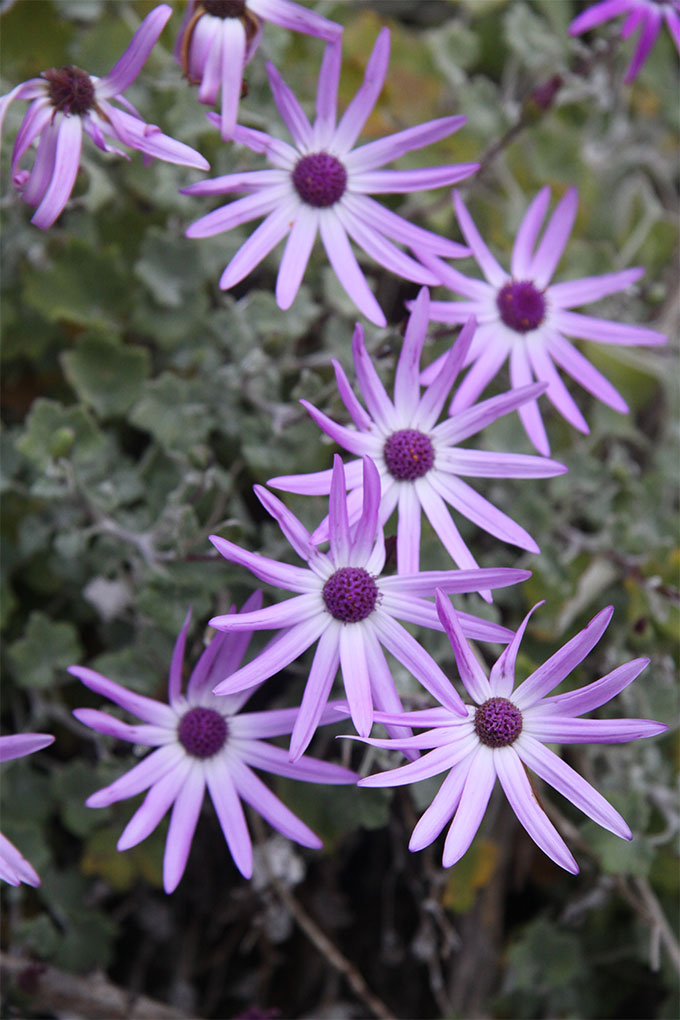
(635, 18)
(273, 759)
(64, 171)
(319, 682)
(337, 515)
(378, 217)
(421, 717)
(156, 803)
(276, 722)
(556, 730)
(282, 614)
(148, 709)
(413, 656)
(596, 14)
(406, 379)
(673, 21)
(296, 17)
(356, 678)
(126, 69)
(143, 775)
(441, 810)
(267, 804)
(234, 46)
(281, 575)
(37, 118)
(281, 154)
(441, 736)
(471, 673)
(223, 655)
(468, 422)
(502, 676)
(468, 286)
(522, 252)
(14, 868)
(439, 517)
(375, 397)
(361, 419)
(433, 399)
(260, 243)
(605, 331)
(546, 764)
(479, 376)
(317, 483)
(152, 736)
(149, 139)
(485, 464)
(355, 442)
(474, 798)
(452, 581)
(650, 30)
(327, 95)
(393, 182)
(376, 560)
(428, 765)
(554, 670)
(591, 288)
(247, 181)
(557, 393)
(385, 694)
(43, 165)
(346, 267)
(523, 802)
(408, 530)
(211, 76)
(292, 528)
(530, 416)
(34, 88)
(554, 239)
(357, 113)
(296, 255)
(242, 210)
(487, 263)
(375, 154)
(291, 112)
(276, 656)
(581, 370)
(423, 613)
(229, 811)
(182, 826)
(17, 745)
(177, 662)
(382, 250)
(480, 511)
(585, 699)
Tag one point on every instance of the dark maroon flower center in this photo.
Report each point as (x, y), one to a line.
(70, 89)
(497, 722)
(320, 179)
(202, 732)
(408, 454)
(521, 305)
(350, 594)
(224, 8)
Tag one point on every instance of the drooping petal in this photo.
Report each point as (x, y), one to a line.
(185, 812)
(64, 171)
(346, 267)
(34, 88)
(474, 798)
(150, 140)
(229, 811)
(357, 113)
(37, 118)
(471, 673)
(554, 240)
(234, 47)
(127, 67)
(43, 166)
(523, 248)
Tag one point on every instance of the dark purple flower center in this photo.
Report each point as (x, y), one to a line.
(70, 89)
(521, 305)
(320, 179)
(350, 594)
(202, 732)
(224, 8)
(497, 722)
(408, 454)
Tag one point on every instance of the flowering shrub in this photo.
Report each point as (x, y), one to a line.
(495, 431)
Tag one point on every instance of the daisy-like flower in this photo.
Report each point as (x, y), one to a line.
(67, 101)
(219, 37)
(419, 461)
(203, 741)
(645, 15)
(506, 730)
(321, 184)
(350, 610)
(14, 868)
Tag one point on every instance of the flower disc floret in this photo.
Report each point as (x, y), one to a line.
(320, 179)
(409, 454)
(224, 8)
(70, 90)
(521, 306)
(350, 594)
(202, 732)
(498, 722)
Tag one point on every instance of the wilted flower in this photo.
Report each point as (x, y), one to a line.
(203, 741)
(219, 37)
(14, 868)
(321, 184)
(350, 610)
(420, 462)
(524, 318)
(506, 731)
(646, 15)
(67, 101)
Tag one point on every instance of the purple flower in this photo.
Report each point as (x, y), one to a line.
(322, 184)
(506, 730)
(203, 741)
(219, 37)
(14, 868)
(67, 101)
(524, 318)
(420, 462)
(350, 610)
(647, 15)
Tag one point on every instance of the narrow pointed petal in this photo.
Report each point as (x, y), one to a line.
(270, 758)
(319, 682)
(366, 530)
(557, 393)
(143, 775)
(361, 419)
(554, 670)
(477, 290)
(474, 798)
(149, 139)
(337, 515)
(281, 575)
(281, 154)
(650, 30)
(234, 48)
(316, 483)
(585, 374)
(468, 422)
(296, 17)
(64, 171)
(276, 656)
(520, 375)
(605, 331)
(248, 181)
(592, 696)
(485, 464)
(357, 113)
(381, 250)
(356, 678)
(242, 210)
(425, 582)
(479, 376)
(428, 765)
(290, 525)
(148, 709)
(439, 517)
(480, 511)
(557, 730)
(378, 217)
(291, 112)
(17, 745)
(442, 808)
(151, 736)
(376, 154)
(177, 662)
(487, 263)
(272, 230)
(254, 726)
(274, 811)
(522, 252)
(408, 530)
(346, 267)
(281, 614)
(592, 288)
(230, 813)
(296, 256)
(433, 399)
(385, 696)
(34, 88)
(38, 116)
(395, 182)
(406, 380)
(155, 805)
(126, 69)
(183, 820)
(223, 655)
(327, 95)
(551, 769)
(355, 442)
(502, 676)
(375, 396)
(595, 15)
(554, 240)
(523, 802)
(471, 673)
